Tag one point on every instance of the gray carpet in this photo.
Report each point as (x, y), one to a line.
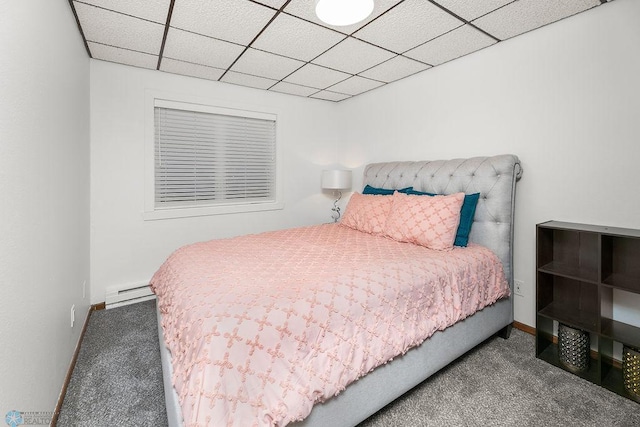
(118, 382)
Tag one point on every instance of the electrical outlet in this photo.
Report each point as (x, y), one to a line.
(519, 287)
(73, 314)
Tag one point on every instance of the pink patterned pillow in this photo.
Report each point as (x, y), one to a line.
(367, 213)
(425, 221)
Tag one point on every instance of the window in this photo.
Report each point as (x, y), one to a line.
(209, 160)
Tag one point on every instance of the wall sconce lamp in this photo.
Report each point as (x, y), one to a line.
(336, 180)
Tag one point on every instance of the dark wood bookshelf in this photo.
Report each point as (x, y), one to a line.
(550, 355)
(579, 267)
(570, 271)
(567, 315)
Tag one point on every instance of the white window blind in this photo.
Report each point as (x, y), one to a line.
(208, 159)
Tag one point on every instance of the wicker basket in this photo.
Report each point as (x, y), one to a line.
(631, 370)
(574, 348)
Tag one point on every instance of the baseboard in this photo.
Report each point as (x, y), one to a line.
(74, 359)
(524, 328)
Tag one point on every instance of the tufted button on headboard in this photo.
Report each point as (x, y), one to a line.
(493, 177)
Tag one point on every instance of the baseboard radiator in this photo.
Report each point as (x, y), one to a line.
(120, 295)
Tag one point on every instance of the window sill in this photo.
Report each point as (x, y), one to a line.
(187, 212)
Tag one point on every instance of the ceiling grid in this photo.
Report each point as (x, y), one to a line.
(281, 45)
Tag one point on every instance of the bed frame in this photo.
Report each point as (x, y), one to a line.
(495, 179)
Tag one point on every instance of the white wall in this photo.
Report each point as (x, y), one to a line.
(564, 98)
(44, 211)
(127, 249)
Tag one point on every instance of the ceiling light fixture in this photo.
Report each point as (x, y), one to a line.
(343, 12)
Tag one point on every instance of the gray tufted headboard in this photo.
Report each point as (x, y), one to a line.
(493, 177)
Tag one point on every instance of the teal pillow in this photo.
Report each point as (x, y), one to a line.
(467, 213)
(383, 191)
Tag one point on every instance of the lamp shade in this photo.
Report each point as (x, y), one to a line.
(343, 12)
(336, 179)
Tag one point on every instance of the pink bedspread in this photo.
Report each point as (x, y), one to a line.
(261, 327)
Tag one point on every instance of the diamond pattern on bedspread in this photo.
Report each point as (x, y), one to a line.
(261, 327)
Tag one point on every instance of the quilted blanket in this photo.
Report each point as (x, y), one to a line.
(261, 327)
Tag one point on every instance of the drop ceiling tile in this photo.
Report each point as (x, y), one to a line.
(292, 89)
(188, 69)
(394, 69)
(230, 20)
(409, 24)
(190, 47)
(153, 10)
(248, 80)
(454, 44)
(276, 4)
(264, 64)
(353, 56)
(525, 15)
(470, 10)
(355, 85)
(330, 96)
(296, 38)
(307, 10)
(316, 76)
(115, 29)
(123, 56)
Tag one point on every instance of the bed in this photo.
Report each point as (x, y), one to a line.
(328, 395)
